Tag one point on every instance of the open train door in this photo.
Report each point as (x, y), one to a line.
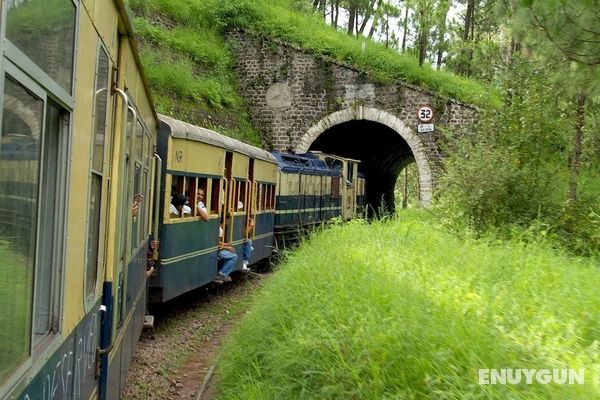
(227, 210)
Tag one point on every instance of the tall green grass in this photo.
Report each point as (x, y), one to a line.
(189, 66)
(403, 310)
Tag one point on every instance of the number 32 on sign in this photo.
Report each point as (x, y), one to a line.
(425, 116)
(425, 113)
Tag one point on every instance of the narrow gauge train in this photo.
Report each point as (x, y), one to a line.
(82, 190)
(284, 194)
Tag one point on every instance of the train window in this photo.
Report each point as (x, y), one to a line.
(265, 195)
(95, 195)
(200, 184)
(215, 196)
(147, 149)
(100, 109)
(259, 196)
(335, 186)
(180, 188)
(137, 190)
(272, 197)
(48, 269)
(139, 141)
(32, 171)
(19, 179)
(131, 123)
(241, 196)
(334, 164)
(350, 174)
(45, 31)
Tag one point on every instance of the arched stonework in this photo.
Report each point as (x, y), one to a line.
(384, 118)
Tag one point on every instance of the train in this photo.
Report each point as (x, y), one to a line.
(88, 170)
(285, 195)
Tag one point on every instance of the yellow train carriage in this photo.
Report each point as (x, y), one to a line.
(236, 181)
(352, 186)
(78, 130)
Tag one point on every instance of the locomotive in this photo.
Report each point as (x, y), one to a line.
(87, 171)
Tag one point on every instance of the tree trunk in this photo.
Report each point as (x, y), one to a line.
(422, 48)
(369, 12)
(405, 28)
(575, 156)
(444, 7)
(335, 12)
(351, 18)
(468, 30)
(468, 19)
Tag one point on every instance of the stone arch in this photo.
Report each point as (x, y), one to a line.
(384, 118)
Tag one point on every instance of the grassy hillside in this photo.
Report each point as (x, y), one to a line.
(190, 67)
(403, 310)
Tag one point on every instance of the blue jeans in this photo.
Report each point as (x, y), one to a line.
(227, 260)
(247, 250)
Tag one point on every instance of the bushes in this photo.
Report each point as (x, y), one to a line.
(508, 175)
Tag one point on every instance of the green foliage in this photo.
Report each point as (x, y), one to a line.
(412, 187)
(511, 171)
(189, 65)
(278, 19)
(286, 20)
(403, 310)
(178, 77)
(211, 52)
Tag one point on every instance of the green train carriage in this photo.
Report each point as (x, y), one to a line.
(76, 145)
(239, 183)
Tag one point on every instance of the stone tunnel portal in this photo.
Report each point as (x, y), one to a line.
(382, 151)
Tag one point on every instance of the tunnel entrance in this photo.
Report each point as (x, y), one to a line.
(383, 153)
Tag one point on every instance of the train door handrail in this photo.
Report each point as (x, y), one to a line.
(157, 175)
(125, 99)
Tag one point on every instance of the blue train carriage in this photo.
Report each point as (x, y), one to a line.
(352, 188)
(76, 145)
(308, 194)
(237, 182)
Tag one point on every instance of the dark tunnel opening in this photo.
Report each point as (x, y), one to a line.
(382, 151)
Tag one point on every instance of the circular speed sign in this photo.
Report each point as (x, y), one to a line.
(425, 113)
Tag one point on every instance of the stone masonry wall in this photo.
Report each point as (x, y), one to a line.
(289, 90)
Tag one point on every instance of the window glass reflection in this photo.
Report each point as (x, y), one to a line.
(19, 179)
(45, 30)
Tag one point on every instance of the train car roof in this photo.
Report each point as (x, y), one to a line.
(183, 130)
(315, 153)
(296, 163)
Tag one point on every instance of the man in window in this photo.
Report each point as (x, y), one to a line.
(200, 206)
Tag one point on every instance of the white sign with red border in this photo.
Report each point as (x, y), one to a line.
(425, 113)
